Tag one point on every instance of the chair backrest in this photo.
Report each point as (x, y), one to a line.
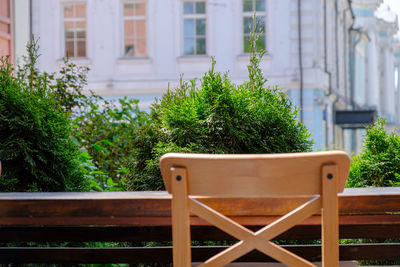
(256, 175)
(318, 174)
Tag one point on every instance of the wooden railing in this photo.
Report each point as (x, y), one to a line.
(135, 217)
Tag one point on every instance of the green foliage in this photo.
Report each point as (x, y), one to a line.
(97, 137)
(35, 148)
(64, 87)
(379, 162)
(106, 134)
(217, 117)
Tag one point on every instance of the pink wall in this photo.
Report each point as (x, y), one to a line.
(6, 38)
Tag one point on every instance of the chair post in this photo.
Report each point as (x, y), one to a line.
(180, 218)
(330, 218)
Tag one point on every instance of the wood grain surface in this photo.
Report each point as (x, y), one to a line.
(356, 206)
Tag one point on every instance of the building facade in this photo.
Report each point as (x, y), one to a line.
(375, 57)
(138, 48)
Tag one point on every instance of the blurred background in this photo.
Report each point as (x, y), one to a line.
(338, 60)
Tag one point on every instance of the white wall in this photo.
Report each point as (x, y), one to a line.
(21, 29)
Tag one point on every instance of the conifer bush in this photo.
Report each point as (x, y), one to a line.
(35, 149)
(217, 116)
(92, 136)
(379, 162)
(378, 165)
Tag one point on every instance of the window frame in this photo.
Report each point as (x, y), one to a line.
(75, 38)
(194, 16)
(247, 14)
(134, 18)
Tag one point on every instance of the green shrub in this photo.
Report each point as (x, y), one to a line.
(379, 162)
(377, 165)
(217, 117)
(107, 133)
(65, 87)
(35, 148)
(99, 134)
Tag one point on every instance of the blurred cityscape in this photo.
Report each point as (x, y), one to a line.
(338, 60)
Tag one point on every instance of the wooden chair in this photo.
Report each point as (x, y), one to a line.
(320, 175)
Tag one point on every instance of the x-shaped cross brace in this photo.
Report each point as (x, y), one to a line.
(259, 240)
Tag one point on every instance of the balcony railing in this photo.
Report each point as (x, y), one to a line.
(133, 217)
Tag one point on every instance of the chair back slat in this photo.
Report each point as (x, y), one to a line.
(255, 175)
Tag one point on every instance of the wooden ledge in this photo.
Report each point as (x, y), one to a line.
(369, 205)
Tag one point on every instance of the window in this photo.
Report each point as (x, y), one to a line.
(194, 27)
(249, 6)
(135, 29)
(75, 29)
